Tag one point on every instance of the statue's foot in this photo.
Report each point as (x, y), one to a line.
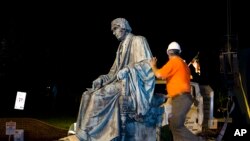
(69, 138)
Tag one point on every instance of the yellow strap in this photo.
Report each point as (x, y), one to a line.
(244, 96)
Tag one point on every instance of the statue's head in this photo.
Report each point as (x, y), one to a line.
(120, 27)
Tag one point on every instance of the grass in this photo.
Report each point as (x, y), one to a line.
(63, 122)
(55, 118)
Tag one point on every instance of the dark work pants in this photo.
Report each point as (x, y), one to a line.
(180, 107)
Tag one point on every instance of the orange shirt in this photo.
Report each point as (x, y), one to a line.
(177, 76)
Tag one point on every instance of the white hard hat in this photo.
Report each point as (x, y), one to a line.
(174, 45)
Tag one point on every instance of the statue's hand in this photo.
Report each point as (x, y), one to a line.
(122, 73)
(97, 83)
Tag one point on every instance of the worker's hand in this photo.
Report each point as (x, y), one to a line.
(153, 62)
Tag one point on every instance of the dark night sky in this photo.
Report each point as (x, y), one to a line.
(72, 42)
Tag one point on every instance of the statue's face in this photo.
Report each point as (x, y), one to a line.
(119, 32)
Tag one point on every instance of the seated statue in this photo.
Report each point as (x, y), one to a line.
(120, 105)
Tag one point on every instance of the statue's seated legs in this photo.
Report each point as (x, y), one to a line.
(136, 127)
